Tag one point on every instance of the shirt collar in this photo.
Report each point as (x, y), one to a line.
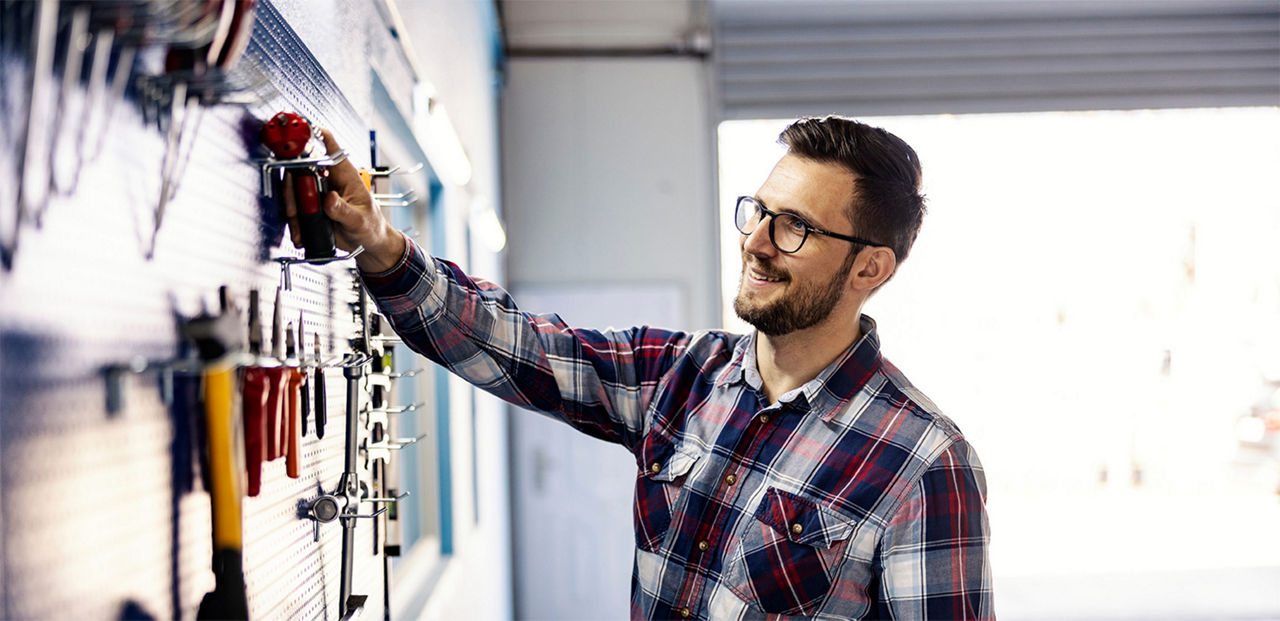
(836, 384)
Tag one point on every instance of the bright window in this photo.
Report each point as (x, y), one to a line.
(1095, 299)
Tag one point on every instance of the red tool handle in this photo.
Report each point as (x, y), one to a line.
(274, 414)
(256, 389)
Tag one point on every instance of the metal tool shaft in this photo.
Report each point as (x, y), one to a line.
(350, 486)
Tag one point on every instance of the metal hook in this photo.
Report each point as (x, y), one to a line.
(396, 170)
(272, 165)
(286, 262)
(395, 499)
(402, 199)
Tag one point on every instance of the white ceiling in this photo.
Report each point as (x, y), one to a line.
(589, 25)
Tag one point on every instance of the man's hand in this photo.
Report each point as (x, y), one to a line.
(357, 221)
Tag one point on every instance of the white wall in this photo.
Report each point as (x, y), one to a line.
(453, 48)
(608, 177)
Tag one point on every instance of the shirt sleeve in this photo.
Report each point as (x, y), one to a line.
(934, 560)
(597, 381)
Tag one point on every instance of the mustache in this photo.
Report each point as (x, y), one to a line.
(768, 271)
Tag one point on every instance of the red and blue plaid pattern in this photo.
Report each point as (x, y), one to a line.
(851, 497)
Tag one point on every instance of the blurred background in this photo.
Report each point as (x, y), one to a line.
(1094, 297)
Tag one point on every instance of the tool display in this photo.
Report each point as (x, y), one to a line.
(196, 69)
(72, 61)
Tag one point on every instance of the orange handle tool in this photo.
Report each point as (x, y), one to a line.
(293, 435)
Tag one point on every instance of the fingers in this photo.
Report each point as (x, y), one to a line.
(291, 210)
(344, 173)
(340, 212)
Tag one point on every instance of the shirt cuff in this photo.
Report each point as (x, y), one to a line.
(396, 270)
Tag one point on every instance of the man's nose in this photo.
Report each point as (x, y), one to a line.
(758, 242)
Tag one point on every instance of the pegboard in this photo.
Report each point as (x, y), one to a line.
(93, 518)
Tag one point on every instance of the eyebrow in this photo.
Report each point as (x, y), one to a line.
(808, 219)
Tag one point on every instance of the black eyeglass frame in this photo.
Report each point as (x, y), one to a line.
(808, 228)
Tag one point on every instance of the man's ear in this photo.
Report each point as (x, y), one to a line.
(874, 265)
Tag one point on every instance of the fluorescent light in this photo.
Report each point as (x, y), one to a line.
(487, 226)
(435, 129)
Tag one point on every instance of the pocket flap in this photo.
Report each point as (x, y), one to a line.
(677, 463)
(802, 520)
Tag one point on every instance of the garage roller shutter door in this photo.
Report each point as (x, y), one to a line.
(786, 59)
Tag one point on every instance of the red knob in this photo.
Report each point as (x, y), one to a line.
(287, 135)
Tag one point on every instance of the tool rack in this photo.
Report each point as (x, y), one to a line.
(140, 226)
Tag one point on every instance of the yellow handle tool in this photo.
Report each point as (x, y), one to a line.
(226, 439)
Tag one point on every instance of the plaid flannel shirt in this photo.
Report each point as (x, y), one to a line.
(849, 497)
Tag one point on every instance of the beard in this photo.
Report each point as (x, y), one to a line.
(802, 307)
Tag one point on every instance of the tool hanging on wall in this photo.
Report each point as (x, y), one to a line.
(321, 400)
(293, 409)
(217, 340)
(279, 380)
(255, 394)
(31, 30)
(196, 74)
(304, 388)
(292, 140)
(59, 57)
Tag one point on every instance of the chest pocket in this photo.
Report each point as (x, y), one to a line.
(789, 555)
(658, 486)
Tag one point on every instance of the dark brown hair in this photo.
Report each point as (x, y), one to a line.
(887, 206)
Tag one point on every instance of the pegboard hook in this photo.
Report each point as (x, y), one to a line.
(286, 279)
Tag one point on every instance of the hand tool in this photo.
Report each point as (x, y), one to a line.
(293, 426)
(196, 68)
(186, 60)
(60, 145)
(302, 366)
(23, 191)
(256, 389)
(276, 401)
(217, 340)
(352, 370)
(190, 461)
(290, 136)
(321, 401)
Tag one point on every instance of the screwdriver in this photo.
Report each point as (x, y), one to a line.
(321, 403)
(306, 390)
(276, 397)
(293, 426)
(254, 394)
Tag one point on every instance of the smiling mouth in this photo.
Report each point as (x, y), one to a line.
(756, 274)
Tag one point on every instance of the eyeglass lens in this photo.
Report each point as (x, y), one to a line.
(787, 232)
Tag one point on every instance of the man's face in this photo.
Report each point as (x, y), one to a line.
(781, 293)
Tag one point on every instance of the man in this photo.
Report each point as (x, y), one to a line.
(793, 471)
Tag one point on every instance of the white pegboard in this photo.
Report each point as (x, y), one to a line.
(90, 522)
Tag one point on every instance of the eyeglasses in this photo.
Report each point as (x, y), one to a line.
(787, 231)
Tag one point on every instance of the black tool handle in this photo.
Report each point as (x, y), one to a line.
(306, 401)
(320, 403)
(309, 189)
